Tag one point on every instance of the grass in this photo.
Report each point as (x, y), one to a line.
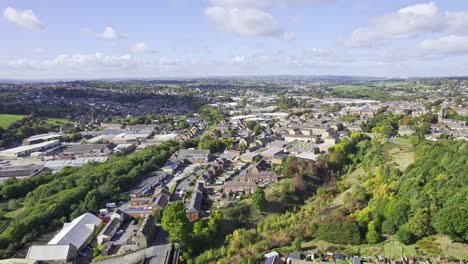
(58, 121)
(402, 155)
(351, 179)
(350, 87)
(172, 188)
(403, 141)
(4, 224)
(392, 248)
(14, 214)
(6, 119)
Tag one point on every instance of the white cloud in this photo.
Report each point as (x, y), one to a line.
(411, 21)
(110, 33)
(442, 47)
(457, 22)
(89, 65)
(23, 18)
(245, 21)
(238, 59)
(263, 3)
(142, 47)
(249, 17)
(76, 61)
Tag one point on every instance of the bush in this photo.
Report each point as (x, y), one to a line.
(405, 236)
(339, 232)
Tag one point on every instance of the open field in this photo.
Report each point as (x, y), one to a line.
(58, 121)
(401, 154)
(392, 248)
(350, 87)
(6, 119)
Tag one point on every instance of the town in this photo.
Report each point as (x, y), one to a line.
(218, 150)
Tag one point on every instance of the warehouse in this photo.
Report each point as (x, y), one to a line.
(27, 150)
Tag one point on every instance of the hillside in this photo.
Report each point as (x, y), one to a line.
(375, 208)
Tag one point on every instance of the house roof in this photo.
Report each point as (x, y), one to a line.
(195, 202)
(109, 228)
(271, 254)
(294, 255)
(272, 151)
(76, 232)
(51, 252)
(356, 260)
(17, 171)
(161, 200)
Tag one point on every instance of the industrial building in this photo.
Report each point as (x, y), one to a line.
(28, 149)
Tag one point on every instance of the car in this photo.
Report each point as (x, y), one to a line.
(120, 232)
(133, 222)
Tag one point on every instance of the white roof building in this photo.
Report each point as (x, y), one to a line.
(56, 253)
(78, 232)
(28, 149)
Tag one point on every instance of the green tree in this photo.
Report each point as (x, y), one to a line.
(296, 244)
(258, 199)
(452, 220)
(420, 223)
(405, 236)
(372, 236)
(175, 222)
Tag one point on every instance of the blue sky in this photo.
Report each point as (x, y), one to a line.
(179, 38)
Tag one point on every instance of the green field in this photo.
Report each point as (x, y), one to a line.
(58, 121)
(6, 120)
(392, 248)
(350, 87)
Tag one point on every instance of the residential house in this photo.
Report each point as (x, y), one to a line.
(236, 187)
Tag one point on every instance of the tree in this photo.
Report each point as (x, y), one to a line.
(420, 223)
(175, 222)
(452, 220)
(296, 244)
(405, 236)
(258, 199)
(372, 236)
(257, 129)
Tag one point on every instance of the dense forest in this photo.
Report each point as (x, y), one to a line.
(50, 200)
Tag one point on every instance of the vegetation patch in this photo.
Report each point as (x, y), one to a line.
(6, 119)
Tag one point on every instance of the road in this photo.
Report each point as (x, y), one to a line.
(184, 179)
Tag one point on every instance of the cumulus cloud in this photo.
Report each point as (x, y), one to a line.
(244, 21)
(432, 48)
(23, 18)
(250, 17)
(263, 3)
(75, 61)
(108, 33)
(408, 22)
(89, 65)
(142, 47)
(238, 59)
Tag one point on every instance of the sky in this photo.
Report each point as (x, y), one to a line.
(89, 39)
